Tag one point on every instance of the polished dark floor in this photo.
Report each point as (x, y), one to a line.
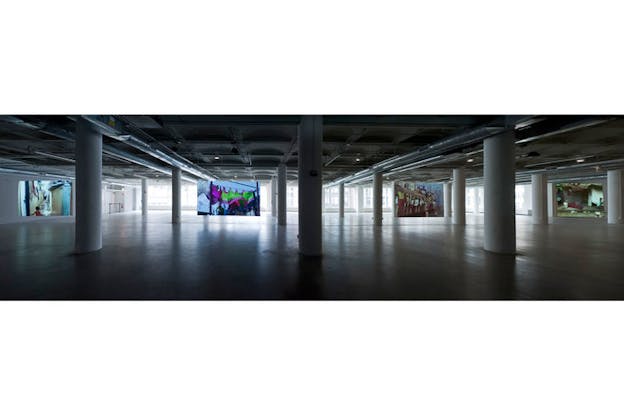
(252, 258)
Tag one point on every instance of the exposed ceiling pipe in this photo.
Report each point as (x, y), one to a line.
(110, 150)
(579, 178)
(18, 165)
(19, 122)
(554, 162)
(558, 174)
(527, 179)
(575, 167)
(447, 144)
(355, 136)
(106, 148)
(51, 156)
(577, 125)
(34, 173)
(567, 128)
(53, 175)
(436, 149)
(113, 128)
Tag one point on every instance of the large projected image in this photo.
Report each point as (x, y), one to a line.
(580, 200)
(44, 198)
(228, 198)
(419, 199)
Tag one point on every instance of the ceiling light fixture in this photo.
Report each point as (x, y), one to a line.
(580, 160)
(217, 157)
(357, 159)
(470, 160)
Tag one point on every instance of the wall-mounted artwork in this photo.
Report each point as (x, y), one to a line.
(580, 200)
(228, 198)
(44, 198)
(419, 199)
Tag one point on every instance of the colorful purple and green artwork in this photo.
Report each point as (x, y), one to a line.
(228, 198)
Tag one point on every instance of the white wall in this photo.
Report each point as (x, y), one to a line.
(8, 206)
(125, 197)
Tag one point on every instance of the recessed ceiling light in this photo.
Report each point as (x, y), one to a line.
(470, 160)
(580, 160)
(357, 159)
(217, 158)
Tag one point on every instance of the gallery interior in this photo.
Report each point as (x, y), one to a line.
(337, 207)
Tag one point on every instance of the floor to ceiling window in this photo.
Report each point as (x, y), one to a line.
(159, 195)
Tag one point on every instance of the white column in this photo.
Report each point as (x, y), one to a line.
(459, 196)
(341, 201)
(73, 203)
(176, 195)
(281, 194)
(377, 198)
(144, 196)
(135, 202)
(274, 197)
(539, 199)
(394, 205)
(475, 208)
(499, 194)
(552, 199)
(448, 200)
(88, 147)
(310, 186)
(360, 198)
(614, 200)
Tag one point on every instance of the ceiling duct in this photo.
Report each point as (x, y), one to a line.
(434, 150)
(107, 149)
(56, 157)
(565, 128)
(465, 139)
(113, 128)
(33, 173)
(574, 172)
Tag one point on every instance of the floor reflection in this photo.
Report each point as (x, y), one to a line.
(309, 284)
(217, 258)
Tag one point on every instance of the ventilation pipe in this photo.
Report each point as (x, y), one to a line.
(432, 151)
(106, 148)
(113, 128)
